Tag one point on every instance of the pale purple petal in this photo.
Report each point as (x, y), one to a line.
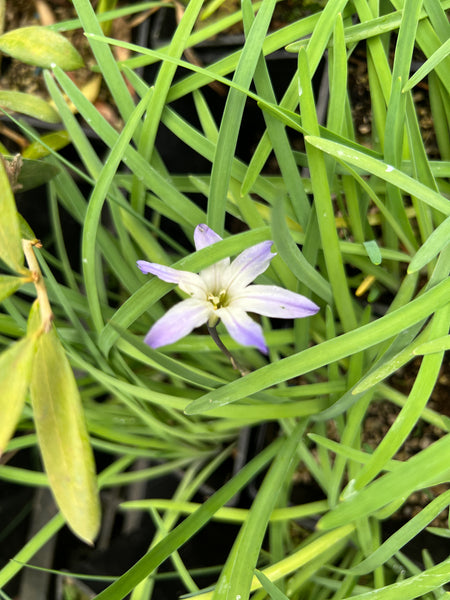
(274, 301)
(243, 328)
(205, 236)
(161, 271)
(191, 283)
(248, 265)
(180, 320)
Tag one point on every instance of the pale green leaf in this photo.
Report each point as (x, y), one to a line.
(15, 372)
(9, 284)
(41, 47)
(10, 241)
(28, 104)
(63, 438)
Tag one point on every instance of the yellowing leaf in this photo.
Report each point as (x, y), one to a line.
(15, 371)
(41, 47)
(27, 104)
(54, 140)
(63, 438)
(8, 285)
(10, 242)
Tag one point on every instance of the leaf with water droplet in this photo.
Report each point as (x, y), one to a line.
(373, 252)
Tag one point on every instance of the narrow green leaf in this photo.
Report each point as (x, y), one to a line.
(413, 587)
(428, 65)
(63, 438)
(41, 47)
(158, 183)
(293, 257)
(10, 242)
(382, 170)
(322, 200)
(232, 115)
(157, 100)
(105, 59)
(439, 531)
(15, 371)
(274, 592)
(278, 136)
(440, 344)
(431, 247)
(98, 196)
(27, 104)
(348, 452)
(403, 535)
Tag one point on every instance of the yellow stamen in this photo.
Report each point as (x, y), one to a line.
(217, 301)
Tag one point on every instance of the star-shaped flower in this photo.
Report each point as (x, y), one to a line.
(223, 292)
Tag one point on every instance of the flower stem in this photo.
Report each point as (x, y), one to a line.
(215, 336)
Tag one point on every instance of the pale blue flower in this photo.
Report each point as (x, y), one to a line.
(223, 292)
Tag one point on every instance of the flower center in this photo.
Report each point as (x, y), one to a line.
(218, 301)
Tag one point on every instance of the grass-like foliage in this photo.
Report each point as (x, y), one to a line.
(359, 217)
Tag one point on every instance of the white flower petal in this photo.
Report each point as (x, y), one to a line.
(212, 276)
(248, 265)
(274, 301)
(191, 283)
(242, 328)
(205, 236)
(179, 321)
